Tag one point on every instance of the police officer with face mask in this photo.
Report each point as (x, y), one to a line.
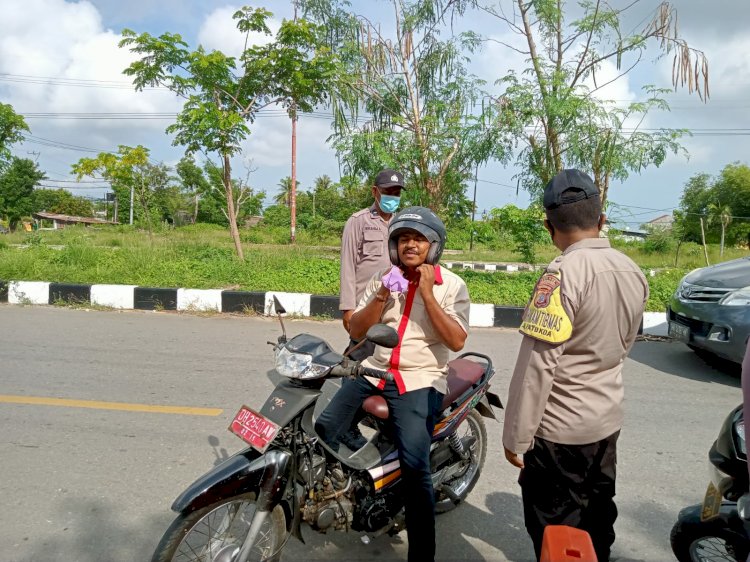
(364, 244)
(364, 251)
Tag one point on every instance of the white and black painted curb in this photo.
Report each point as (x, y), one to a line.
(507, 267)
(131, 297)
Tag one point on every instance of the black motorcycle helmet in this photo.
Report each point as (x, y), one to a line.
(424, 221)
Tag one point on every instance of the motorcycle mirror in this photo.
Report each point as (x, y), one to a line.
(278, 306)
(279, 311)
(383, 335)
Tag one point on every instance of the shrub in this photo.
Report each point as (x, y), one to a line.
(277, 215)
(659, 242)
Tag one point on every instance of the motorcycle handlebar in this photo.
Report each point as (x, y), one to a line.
(377, 373)
(358, 370)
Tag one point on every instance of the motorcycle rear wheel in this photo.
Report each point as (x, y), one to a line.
(707, 542)
(216, 532)
(462, 485)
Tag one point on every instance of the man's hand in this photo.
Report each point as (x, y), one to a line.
(347, 317)
(513, 458)
(426, 280)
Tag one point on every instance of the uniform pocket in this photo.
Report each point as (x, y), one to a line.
(373, 243)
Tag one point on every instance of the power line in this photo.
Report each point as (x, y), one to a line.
(141, 116)
(75, 82)
(90, 83)
(48, 186)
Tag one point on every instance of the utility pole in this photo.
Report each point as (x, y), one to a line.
(473, 209)
(132, 198)
(293, 190)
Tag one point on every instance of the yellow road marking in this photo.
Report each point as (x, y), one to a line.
(98, 405)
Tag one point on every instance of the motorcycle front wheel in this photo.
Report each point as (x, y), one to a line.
(216, 533)
(707, 542)
(464, 482)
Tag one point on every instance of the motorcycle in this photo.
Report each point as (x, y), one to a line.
(717, 529)
(247, 507)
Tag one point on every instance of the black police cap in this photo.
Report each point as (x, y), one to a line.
(389, 178)
(577, 181)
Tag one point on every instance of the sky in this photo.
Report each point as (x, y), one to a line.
(59, 63)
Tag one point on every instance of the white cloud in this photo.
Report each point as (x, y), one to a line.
(270, 144)
(219, 31)
(46, 43)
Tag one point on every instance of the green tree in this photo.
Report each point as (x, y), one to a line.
(551, 106)
(284, 196)
(693, 205)
(193, 182)
(12, 127)
(717, 201)
(17, 183)
(732, 190)
(222, 99)
(131, 175)
(213, 208)
(524, 226)
(721, 215)
(61, 201)
(160, 197)
(421, 101)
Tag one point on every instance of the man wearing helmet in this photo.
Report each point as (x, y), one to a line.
(364, 252)
(429, 307)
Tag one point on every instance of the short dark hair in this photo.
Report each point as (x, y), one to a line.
(576, 215)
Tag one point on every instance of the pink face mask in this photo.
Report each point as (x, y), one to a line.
(395, 281)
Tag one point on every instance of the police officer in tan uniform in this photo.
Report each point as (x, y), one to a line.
(364, 251)
(564, 410)
(364, 244)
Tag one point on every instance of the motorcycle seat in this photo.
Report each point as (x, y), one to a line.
(462, 375)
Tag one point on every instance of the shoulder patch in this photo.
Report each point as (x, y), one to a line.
(545, 318)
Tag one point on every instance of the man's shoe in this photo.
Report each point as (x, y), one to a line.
(353, 439)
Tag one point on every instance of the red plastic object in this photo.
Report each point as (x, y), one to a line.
(566, 544)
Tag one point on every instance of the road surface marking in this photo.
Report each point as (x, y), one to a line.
(98, 405)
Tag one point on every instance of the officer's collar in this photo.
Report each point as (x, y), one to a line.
(595, 243)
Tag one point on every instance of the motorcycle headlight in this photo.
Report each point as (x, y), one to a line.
(739, 436)
(740, 297)
(298, 365)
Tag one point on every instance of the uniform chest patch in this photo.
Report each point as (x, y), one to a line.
(545, 317)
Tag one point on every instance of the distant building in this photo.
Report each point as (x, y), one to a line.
(629, 234)
(663, 222)
(61, 221)
(624, 233)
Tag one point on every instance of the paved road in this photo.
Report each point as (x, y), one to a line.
(95, 484)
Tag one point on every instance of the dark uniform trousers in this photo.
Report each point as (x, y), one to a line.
(571, 485)
(412, 416)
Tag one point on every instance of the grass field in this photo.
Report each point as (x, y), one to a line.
(202, 257)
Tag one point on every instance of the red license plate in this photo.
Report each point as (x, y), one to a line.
(254, 428)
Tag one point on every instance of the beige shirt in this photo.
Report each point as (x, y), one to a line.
(364, 250)
(571, 393)
(421, 358)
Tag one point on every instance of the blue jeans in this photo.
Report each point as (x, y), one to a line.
(413, 416)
